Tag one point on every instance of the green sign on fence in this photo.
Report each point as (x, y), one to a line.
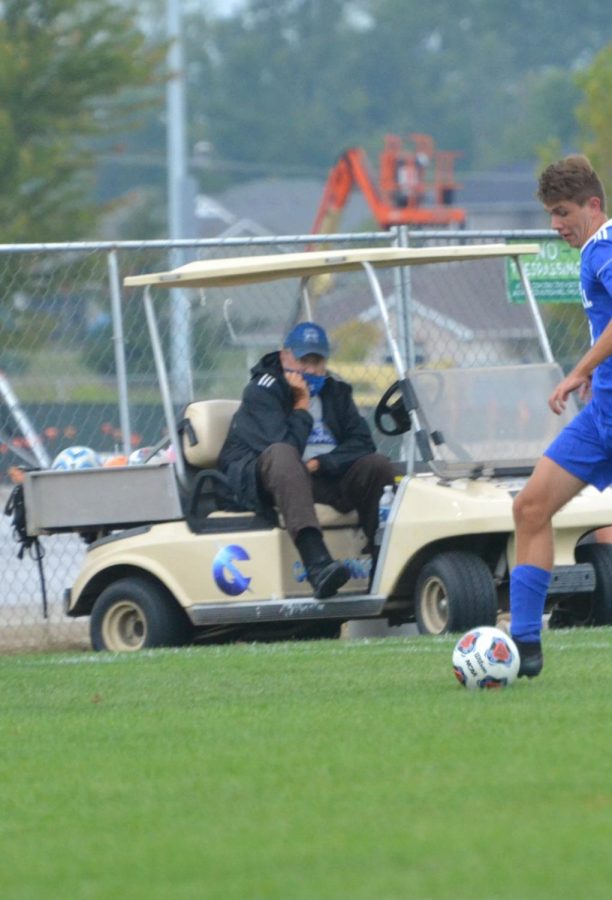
(553, 274)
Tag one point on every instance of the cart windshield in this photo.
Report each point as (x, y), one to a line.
(488, 420)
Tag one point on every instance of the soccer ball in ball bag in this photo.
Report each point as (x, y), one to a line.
(485, 657)
(76, 458)
(140, 456)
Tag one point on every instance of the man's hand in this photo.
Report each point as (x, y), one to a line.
(572, 382)
(299, 389)
(313, 465)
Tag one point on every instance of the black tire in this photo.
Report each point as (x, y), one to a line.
(134, 613)
(598, 605)
(455, 591)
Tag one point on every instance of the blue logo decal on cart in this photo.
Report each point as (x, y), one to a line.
(227, 576)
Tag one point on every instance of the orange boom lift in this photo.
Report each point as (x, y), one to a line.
(416, 186)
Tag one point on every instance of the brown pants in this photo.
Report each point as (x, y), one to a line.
(294, 490)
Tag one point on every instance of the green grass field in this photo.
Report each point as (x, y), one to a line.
(355, 769)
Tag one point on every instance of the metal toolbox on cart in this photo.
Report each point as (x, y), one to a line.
(92, 499)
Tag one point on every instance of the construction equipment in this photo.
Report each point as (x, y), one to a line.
(416, 186)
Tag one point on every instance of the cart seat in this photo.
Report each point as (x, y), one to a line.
(204, 429)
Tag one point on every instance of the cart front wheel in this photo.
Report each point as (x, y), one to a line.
(135, 613)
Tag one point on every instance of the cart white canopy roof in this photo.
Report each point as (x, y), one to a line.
(250, 269)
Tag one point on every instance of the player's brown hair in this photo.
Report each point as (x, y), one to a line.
(573, 179)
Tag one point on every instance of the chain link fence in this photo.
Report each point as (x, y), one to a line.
(76, 366)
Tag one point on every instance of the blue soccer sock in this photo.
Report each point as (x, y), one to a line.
(528, 589)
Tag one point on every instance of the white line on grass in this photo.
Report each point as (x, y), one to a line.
(419, 646)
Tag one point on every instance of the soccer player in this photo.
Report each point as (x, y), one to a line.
(573, 195)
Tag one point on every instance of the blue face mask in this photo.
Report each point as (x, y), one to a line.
(315, 382)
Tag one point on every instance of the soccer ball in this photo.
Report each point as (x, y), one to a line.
(140, 456)
(118, 460)
(485, 657)
(76, 458)
(151, 456)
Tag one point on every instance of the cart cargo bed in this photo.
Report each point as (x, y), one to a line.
(90, 499)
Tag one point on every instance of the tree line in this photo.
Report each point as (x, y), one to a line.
(281, 87)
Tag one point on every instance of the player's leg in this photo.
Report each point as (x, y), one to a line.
(549, 488)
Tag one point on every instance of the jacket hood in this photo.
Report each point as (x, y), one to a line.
(268, 363)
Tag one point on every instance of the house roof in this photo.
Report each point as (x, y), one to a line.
(468, 299)
(289, 205)
(510, 187)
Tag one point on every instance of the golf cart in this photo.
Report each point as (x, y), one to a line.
(171, 558)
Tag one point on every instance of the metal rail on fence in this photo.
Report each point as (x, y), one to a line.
(76, 359)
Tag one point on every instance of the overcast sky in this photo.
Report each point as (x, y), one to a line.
(224, 7)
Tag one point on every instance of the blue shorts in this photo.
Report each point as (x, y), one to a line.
(584, 449)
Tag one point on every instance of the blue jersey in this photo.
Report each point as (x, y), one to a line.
(596, 290)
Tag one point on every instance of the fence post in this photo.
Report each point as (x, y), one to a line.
(180, 203)
(119, 342)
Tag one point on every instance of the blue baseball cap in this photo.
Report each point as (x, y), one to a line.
(305, 338)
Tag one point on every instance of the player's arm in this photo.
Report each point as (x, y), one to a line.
(265, 418)
(299, 389)
(580, 376)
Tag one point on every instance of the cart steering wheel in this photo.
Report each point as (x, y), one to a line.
(395, 409)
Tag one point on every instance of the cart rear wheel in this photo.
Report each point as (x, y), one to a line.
(135, 613)
(594, 608)
(600, 557)
(455, 591)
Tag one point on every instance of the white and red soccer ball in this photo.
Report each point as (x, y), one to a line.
(485, 657)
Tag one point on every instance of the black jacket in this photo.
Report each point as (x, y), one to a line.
(266, 416)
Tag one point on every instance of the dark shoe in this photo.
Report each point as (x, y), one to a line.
(328, 578)
(325, 574)
(531, 657)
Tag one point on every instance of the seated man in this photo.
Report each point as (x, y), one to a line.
(298, 438)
